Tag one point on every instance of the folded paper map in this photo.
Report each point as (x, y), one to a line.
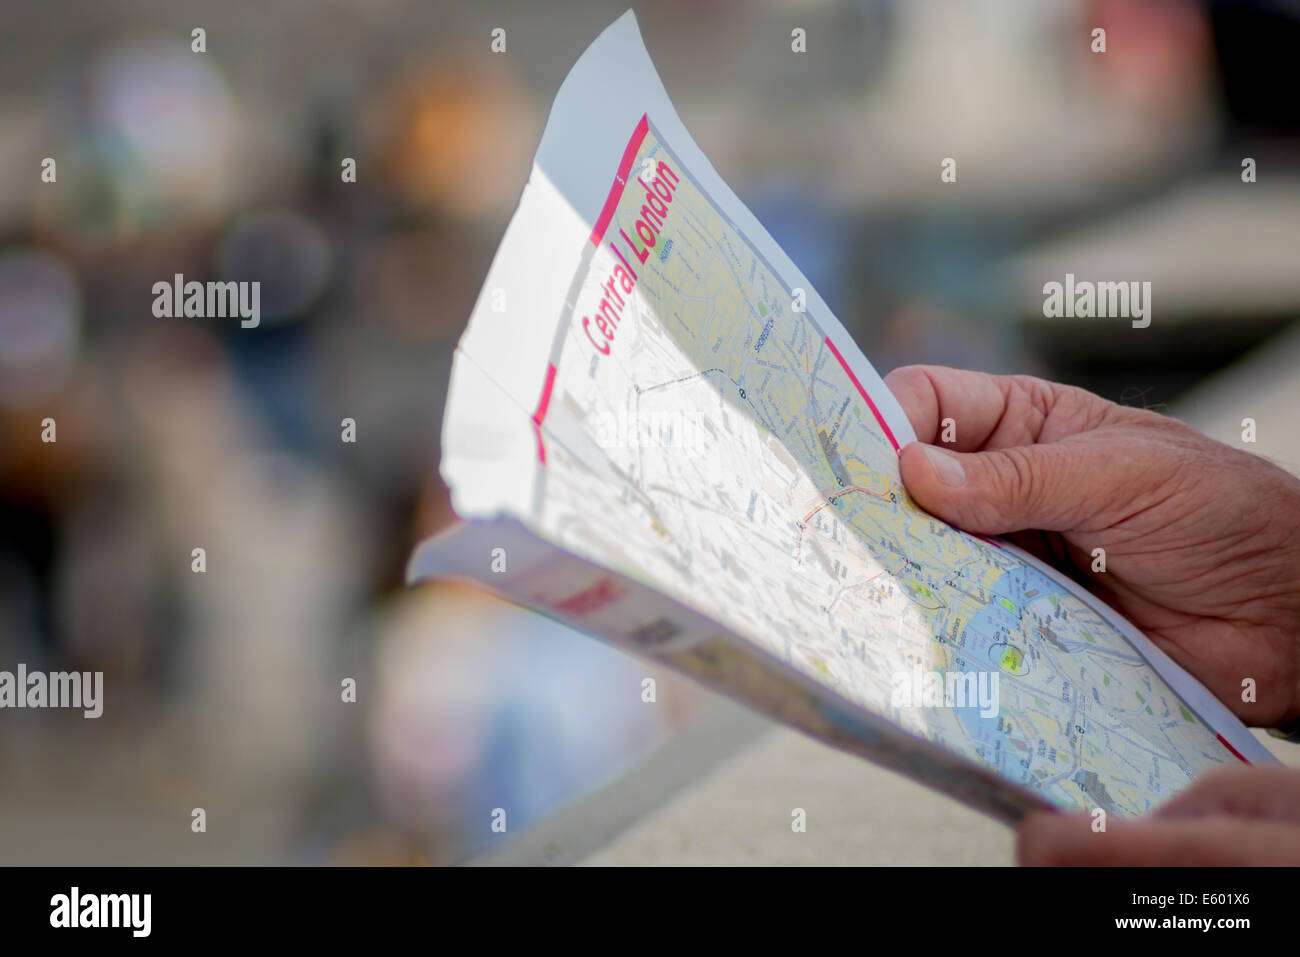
(658, 433)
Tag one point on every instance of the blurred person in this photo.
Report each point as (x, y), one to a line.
(1202, 555)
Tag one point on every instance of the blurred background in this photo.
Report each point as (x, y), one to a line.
(223, 688)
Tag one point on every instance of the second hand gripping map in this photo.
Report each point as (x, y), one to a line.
(658, 433)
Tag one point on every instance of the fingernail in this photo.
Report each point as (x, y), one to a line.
(946, 467)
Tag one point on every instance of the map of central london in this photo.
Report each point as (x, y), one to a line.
(700, 432)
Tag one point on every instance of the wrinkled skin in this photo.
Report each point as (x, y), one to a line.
(1202, 553)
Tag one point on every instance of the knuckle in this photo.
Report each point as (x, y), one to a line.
(1014, 478)
(1033, 400)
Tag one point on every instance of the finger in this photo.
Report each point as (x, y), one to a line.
(967, 410)
(930, 394)
(1264, 793)
(1047, 839)
(1064, 486)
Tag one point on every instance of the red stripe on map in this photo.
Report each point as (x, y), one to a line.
(1240, 757)
(863, 392)
(620, 181)
(542, 404)
(880, 418)
(597, 234)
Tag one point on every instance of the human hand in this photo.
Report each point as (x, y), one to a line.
(1202, 541)
(1232, 816)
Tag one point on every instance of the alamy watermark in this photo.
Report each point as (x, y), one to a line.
(53, 689)
(669, 429)
(1101, 300)
(920, 688)
(75, 909)
(211, 300)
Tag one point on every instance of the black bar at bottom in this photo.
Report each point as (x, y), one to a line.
(333, 907)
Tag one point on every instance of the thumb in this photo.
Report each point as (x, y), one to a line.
(1048, 839)
(1052, 486)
